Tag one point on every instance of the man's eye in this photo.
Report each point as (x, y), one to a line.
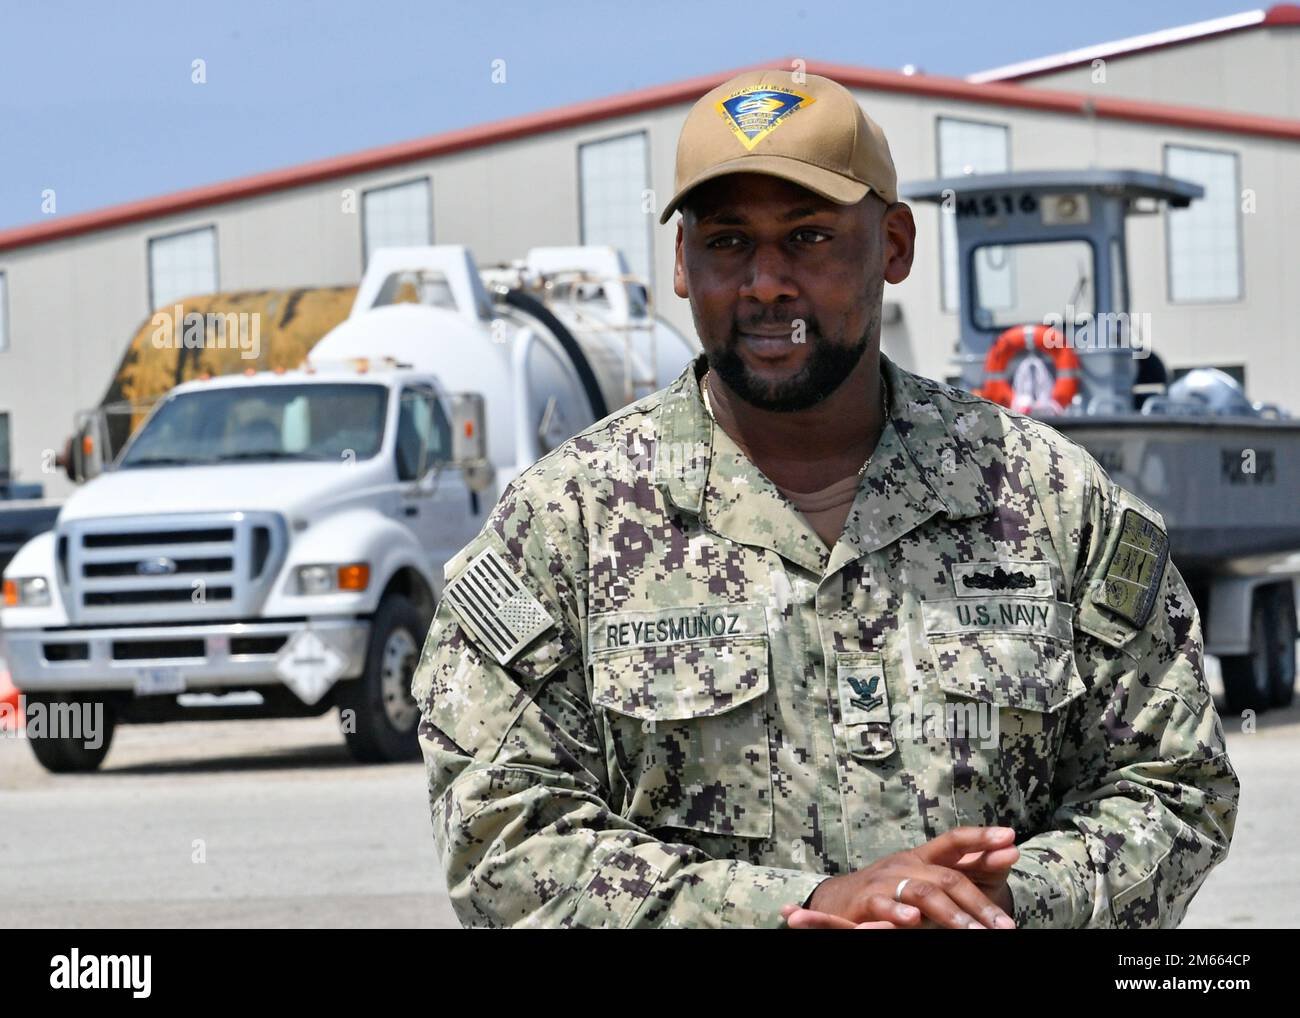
(811, 235)
(721, 243)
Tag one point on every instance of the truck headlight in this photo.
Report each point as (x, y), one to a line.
(27, 592)
(328, 579)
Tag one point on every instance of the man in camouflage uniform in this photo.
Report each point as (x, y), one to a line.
(668, 686)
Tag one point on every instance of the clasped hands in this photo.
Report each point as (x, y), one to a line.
(955, 881)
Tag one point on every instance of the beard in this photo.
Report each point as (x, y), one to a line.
(824, 370)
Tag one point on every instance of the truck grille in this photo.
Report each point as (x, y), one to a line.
(136, 569)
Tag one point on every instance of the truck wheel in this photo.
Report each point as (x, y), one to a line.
(384, 714)
(1282, 635)
(60, 753)
(1248, 678)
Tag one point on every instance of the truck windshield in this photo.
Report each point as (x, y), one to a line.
(343, 422)
(1020, 283)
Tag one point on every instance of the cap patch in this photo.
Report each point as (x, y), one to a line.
(754, 112)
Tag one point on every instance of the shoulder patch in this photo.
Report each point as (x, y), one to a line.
(1136, 567)
(496, 607)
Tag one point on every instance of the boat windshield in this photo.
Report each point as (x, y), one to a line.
(1019, 283)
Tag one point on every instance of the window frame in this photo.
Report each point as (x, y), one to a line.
(941, 253)
(647, 183)
(5, 344)
(1238, 224)
(440, 422)
(148, 258)
(969, 313)
(1231, 370)
(425, 179)
(7, 447)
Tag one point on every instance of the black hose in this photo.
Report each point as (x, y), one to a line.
(532, 306)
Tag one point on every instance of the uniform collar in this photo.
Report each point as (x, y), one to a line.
(920, 468)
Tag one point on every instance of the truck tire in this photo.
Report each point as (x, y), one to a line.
(1282, 635)
(384, 716)
(64, 754)
(1248, 682)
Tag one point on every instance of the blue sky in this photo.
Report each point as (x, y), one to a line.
(97, 102)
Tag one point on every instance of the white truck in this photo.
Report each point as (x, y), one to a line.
(271, 544)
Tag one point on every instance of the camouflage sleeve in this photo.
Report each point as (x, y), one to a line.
(1146, 798)
(519, 792)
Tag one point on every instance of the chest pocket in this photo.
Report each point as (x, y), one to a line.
(683, 694)
(1006, 668)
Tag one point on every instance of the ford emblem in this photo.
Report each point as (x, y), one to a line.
(161, 566)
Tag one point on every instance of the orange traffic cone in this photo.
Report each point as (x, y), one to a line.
(9, 703)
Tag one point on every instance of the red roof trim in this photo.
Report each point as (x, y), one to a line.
(1282, 14)
(1277, 16)
(578, 114)
(1050, 100)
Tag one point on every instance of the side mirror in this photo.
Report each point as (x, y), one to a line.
(469, 449)
(428, 481)
(67, 461)
(83, 451)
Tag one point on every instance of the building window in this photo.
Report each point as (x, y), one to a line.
(968, 146)
(396, 216)
(182, 265)
(1204, 239)
(1237, 372)
(4, 449)
(4, 312)
(614, 176)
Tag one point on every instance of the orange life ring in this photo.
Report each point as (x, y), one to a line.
(1013, 341)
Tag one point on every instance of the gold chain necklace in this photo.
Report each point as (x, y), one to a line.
(884, 411)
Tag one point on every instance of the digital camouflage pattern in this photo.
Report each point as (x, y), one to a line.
(721, 712)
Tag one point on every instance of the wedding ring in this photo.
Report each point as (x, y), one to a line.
(898, 891)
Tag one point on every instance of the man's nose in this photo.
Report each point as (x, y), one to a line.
(769, 278)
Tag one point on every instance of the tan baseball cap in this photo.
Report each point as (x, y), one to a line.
(803, 128)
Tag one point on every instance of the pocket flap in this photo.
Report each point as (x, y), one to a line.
(675, 682)
(708, 661)
(1013, 652)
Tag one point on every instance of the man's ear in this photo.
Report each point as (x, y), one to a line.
(679, 269)
(899, 230)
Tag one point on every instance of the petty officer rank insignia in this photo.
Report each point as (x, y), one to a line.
(755, 112)
(1135, 569)
(489, 599)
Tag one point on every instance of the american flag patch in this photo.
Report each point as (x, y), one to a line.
(495, 607)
